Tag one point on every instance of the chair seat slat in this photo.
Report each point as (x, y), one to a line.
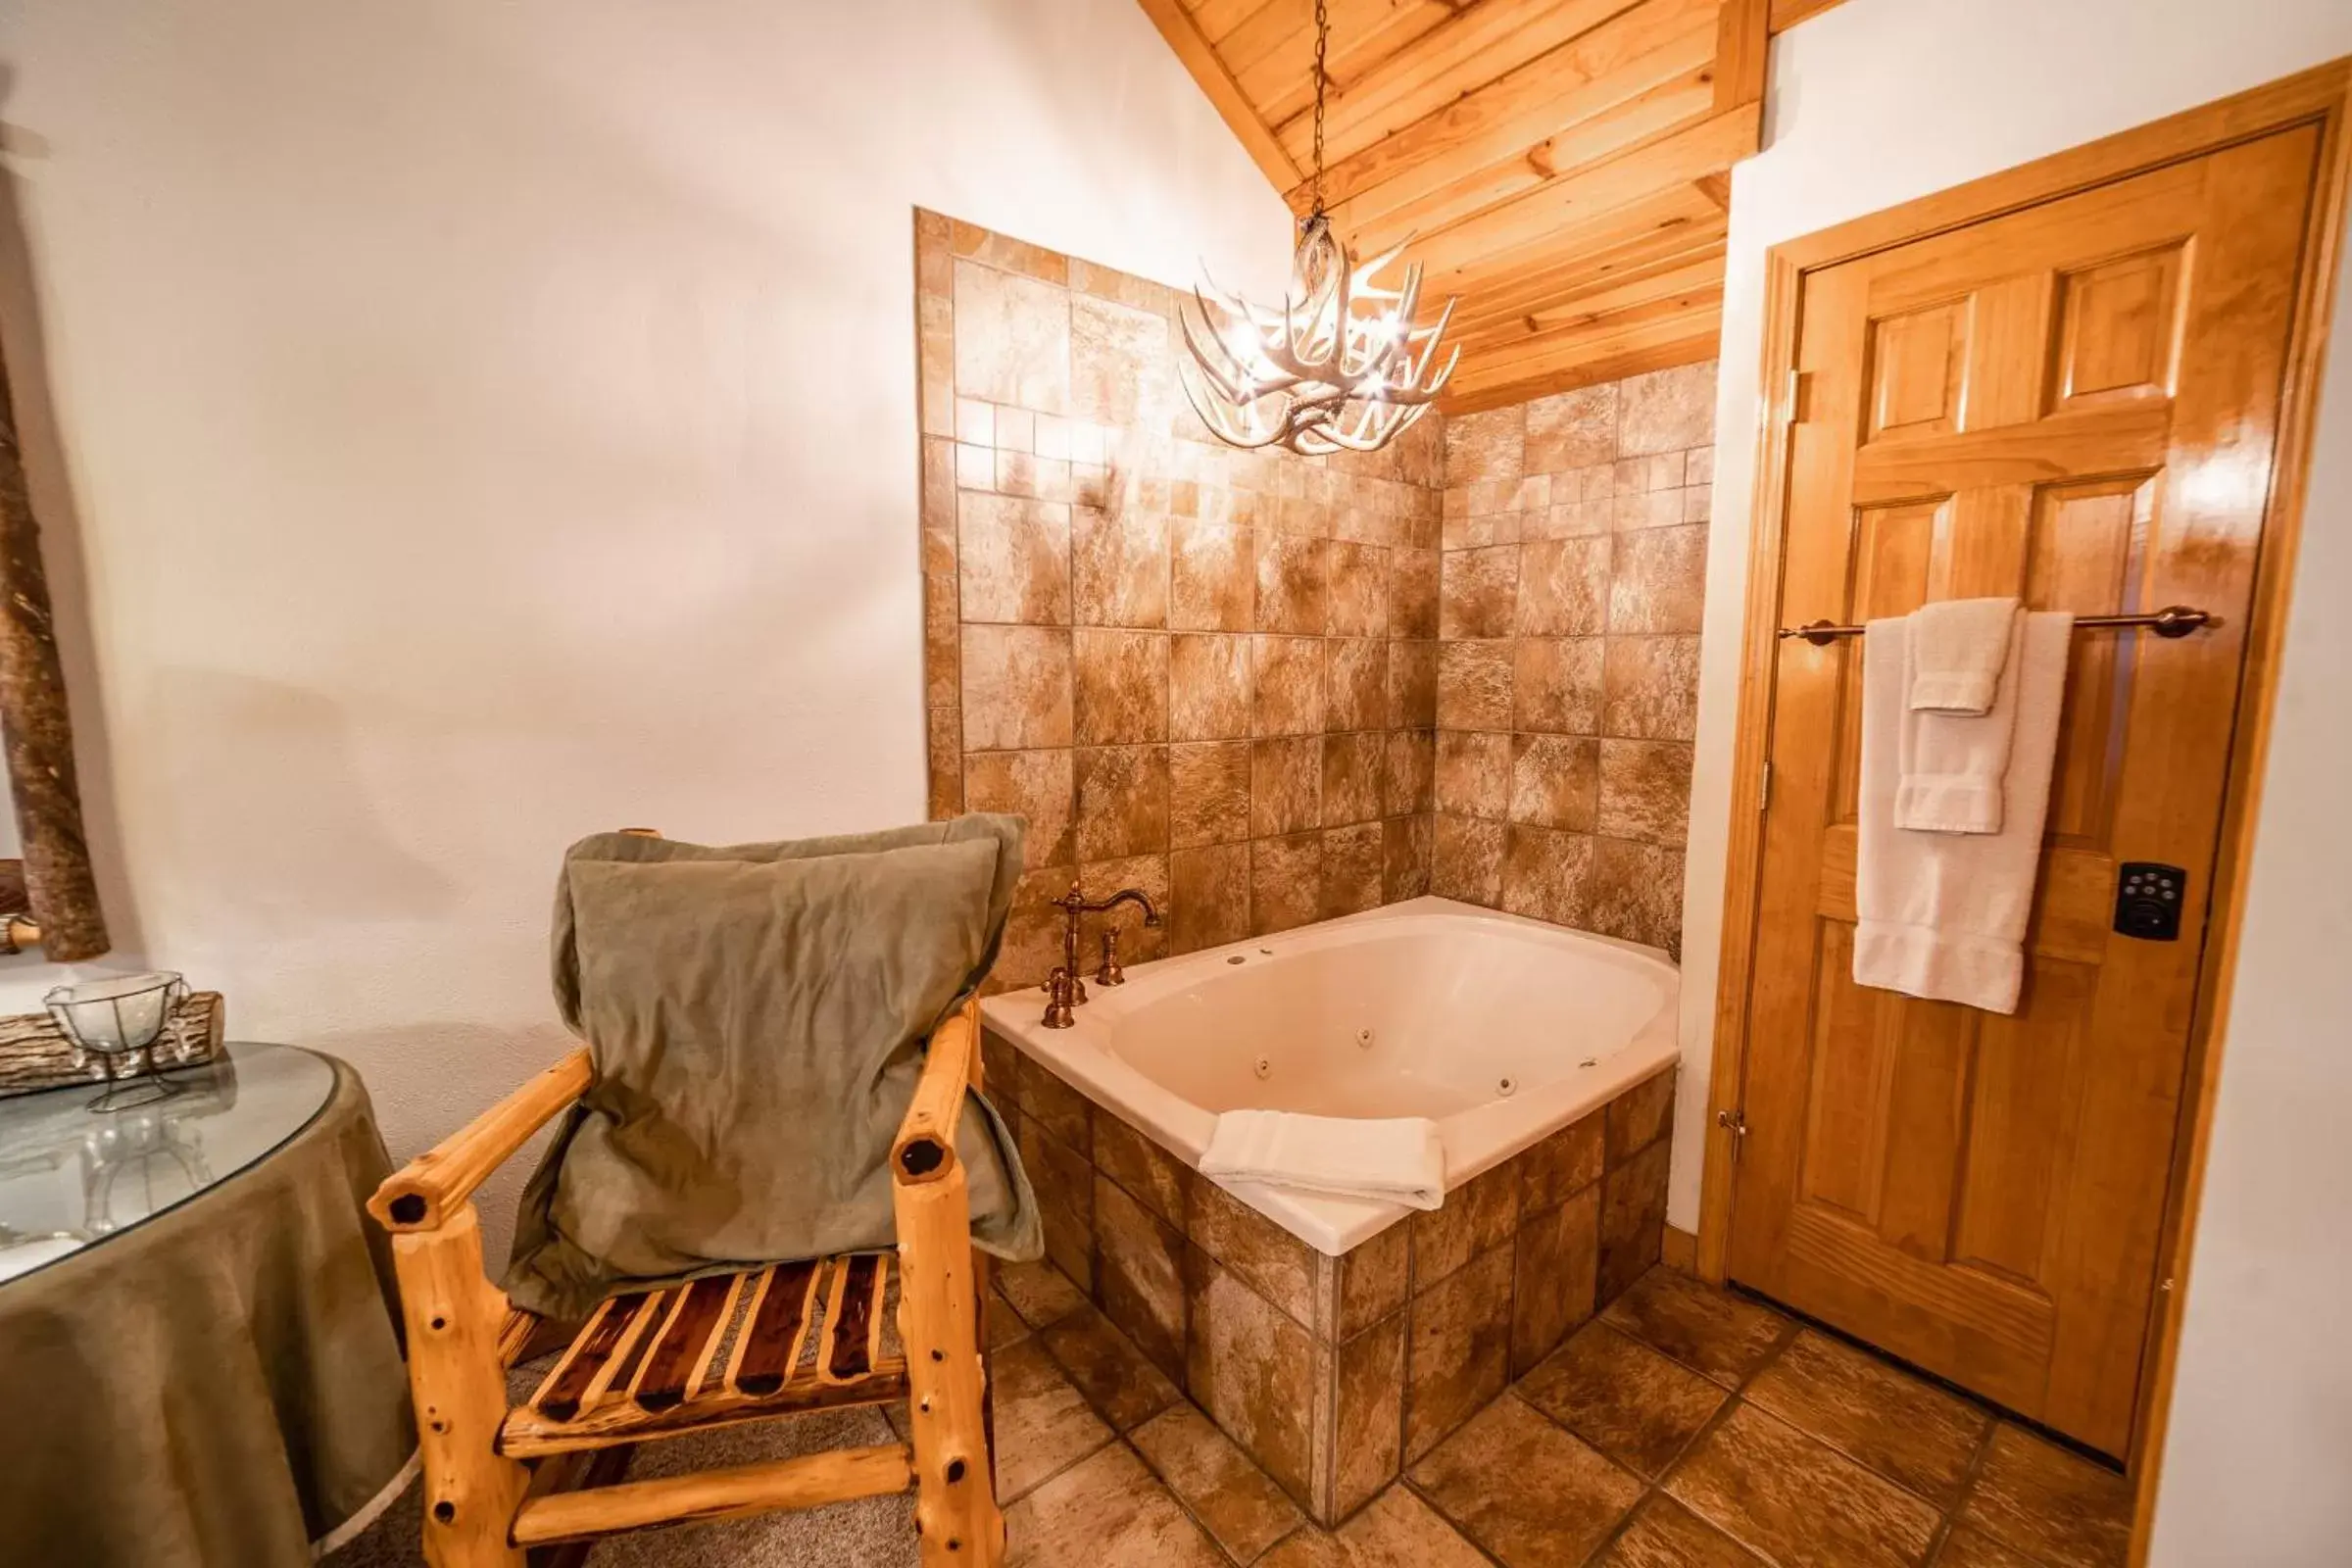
(854, 1321)
(769, 1347)
(677, 1349)
(559, 1396)
(650, 1312)
(707, 1375)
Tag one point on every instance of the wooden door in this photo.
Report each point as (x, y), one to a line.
(2076, 403)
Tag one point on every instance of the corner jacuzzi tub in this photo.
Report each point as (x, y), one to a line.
(1544, 1054)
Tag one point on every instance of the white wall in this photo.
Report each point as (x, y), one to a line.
(483, 424)
(1871, 104)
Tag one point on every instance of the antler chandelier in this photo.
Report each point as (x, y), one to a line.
(1340, 366)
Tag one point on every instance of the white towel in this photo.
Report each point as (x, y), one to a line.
(1943, 915)
(1402, 1160)
(1952, 765)
(1958, 650)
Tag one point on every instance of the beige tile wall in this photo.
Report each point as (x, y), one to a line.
(1208, 674)
(1574, 558)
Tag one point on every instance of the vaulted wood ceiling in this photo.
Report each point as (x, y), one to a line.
(1563, 164)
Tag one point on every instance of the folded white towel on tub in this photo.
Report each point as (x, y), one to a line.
(1400, 1162)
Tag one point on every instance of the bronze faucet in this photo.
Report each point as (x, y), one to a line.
(1109, 973)
(1065, 990)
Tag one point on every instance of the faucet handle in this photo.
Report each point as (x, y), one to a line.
(1059, 1014)
(1111, 973)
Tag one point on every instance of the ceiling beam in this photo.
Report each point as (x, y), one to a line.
(1522, 113)
(1273, 55)
(1743, 36)
(1786, 13)
(1677, 315)
(1681, 278)
(1706, 148)
(1566, 377)
(1468, 50)
(1676, 105)
(1175, 25)
(1672, 216)
(1216, 19)
(1569, 279)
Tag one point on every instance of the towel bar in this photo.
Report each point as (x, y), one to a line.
(2172, 620)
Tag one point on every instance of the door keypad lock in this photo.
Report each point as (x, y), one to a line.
(2148, 901)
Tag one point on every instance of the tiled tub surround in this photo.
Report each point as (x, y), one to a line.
(1574, 550)
(1204, 672)
(1334, 1372)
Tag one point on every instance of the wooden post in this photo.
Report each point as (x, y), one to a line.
(1742, 41)
(454, 1317)
(983, 1266)
(939, 1318)
(37, 730)
(955, 1507)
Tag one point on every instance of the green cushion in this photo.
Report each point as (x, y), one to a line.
(757, 1014)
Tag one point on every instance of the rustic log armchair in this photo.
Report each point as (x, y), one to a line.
(500, 1481)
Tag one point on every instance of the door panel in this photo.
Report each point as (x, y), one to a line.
(2090, 551)
(2075, 402)
(1916, 364)
(2120, 335)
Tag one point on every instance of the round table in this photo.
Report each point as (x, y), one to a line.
(199, 1360)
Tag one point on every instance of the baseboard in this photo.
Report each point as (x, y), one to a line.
(1679, 1251)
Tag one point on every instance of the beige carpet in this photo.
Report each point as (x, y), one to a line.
(877, 1533)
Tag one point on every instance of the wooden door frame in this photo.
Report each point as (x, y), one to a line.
(2317, 96)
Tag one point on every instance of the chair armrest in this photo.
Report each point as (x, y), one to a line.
(925, 1150)
(426, 1190)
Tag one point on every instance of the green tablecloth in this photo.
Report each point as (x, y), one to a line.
(218, 1387)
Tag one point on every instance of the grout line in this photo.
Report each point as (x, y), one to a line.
(1152, 1473)
(1276, 1544)
(1043, 1481)
(1968, 1486)
(1883, 1358)
(1950, 1518)
(1772, 1358)
(1460, 1529)
(1125, 1437)
(1734, 1395)
(1995, 1418)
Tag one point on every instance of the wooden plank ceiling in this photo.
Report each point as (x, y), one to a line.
(1564, 165)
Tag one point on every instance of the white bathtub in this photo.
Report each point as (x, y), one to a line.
(1501, 1029)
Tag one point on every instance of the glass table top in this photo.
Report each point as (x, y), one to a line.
(71, 1176)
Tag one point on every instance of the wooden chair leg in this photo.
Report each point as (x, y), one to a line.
(575, 1472)
(983, 1272)
(455, 1317)
(984, 1304)
(955, 1504)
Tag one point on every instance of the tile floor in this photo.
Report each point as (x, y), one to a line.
(1684, 1426)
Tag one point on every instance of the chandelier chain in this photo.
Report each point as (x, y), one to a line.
(1322, 43)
